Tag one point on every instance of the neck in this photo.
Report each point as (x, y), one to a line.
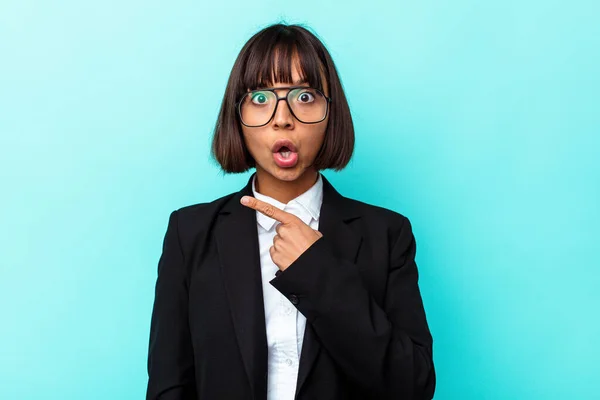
(284, 191)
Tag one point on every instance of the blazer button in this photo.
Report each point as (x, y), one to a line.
(294, 299)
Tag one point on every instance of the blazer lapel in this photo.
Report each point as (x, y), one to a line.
(237, 242)
(335, 219)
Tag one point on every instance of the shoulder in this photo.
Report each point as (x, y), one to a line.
(395, 223)
(196, 209)
(198, 215)
(377, 212)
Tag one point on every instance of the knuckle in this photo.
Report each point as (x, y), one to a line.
(269, 210)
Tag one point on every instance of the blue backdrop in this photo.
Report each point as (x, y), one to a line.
(480, 120)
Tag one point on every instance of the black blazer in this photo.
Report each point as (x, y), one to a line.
(366, 334)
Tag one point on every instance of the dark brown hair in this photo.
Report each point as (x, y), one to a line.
(270, 53)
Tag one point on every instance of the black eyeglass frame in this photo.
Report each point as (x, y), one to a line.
(238, 105)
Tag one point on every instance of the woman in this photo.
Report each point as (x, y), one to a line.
(286, 289)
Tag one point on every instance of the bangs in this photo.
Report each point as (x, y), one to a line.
(271, 59)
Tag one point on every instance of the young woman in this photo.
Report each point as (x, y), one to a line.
(287, 289)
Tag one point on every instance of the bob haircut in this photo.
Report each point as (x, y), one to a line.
(269, 54)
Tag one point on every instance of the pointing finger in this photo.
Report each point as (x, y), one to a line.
(268, 209)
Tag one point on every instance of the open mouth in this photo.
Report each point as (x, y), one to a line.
(284, 145)
(285, 152)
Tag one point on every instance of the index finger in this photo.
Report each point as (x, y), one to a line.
(268, 210)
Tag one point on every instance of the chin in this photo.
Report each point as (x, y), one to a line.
(286, 174)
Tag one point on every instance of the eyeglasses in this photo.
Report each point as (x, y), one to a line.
(307, 105)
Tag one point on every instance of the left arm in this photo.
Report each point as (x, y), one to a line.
(386, 350)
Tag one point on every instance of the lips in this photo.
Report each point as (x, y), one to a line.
(285, 153)
(281, 143)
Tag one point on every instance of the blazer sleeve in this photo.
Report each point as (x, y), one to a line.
(170, 355)
(386, 350)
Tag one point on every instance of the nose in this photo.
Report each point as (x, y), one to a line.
(283, 117)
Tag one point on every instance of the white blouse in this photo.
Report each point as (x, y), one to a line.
(284, 324)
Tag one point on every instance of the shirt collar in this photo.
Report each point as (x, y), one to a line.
(306, 206)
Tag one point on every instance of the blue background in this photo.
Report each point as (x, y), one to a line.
(478, 120)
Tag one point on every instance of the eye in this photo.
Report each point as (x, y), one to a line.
(259, 98)
(306, 97)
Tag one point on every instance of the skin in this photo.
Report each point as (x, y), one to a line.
(285, 184)
(293, 236)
